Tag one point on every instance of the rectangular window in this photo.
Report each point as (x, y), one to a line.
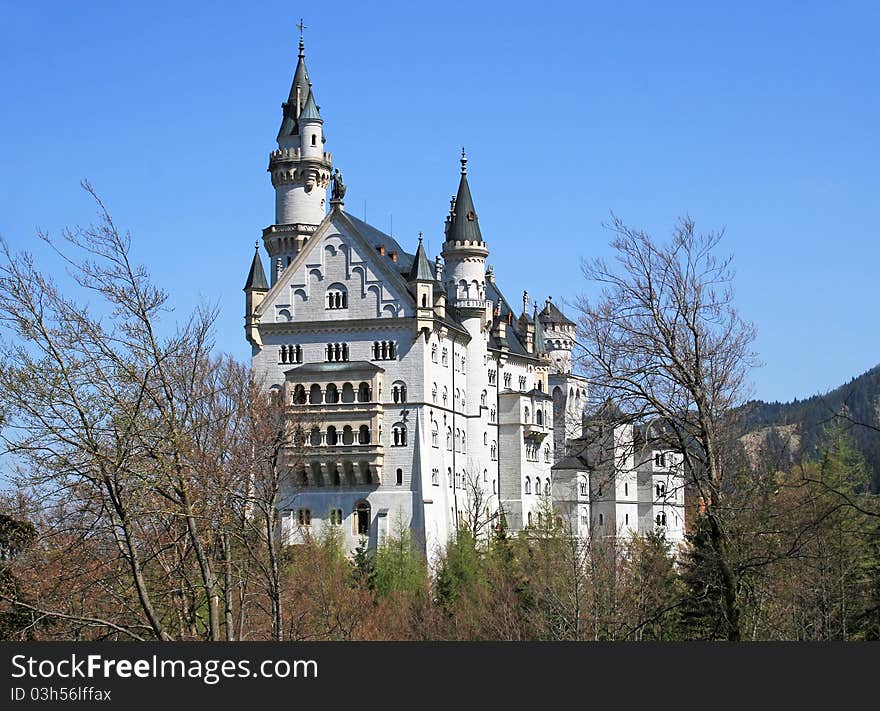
(304, 517)
(435, 477)
(335, 517)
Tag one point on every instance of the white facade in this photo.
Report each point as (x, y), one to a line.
(424, 400)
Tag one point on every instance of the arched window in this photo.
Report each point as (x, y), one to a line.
(537, 486)
(347, 393)
(398, 435)
(601, 520)
(494, 487)
(661, 518)
(492, 415)
(399, 477)
(337, 297)
(449, 438)
(457, 440)
(582, 485)
(483, 398)
(463, 442)
(362, 518)
(661, 490)
(445, 395)
(331, 437)
(331, 394)
(528, 487)
(363, 393)
(315, 437)
(485, 438)
(315, 395)
(337, 480)
(398, 392)
(547, 453)
(424, 301)
(299, 395)
(547, 488)
(449, 476)
(530, 519)
(445, 357)
(434, 352)
(434, 393)
(435, 477)
(435, 435)
(347, 435)
(363, 434)
(314, 138)
(493, 451)
(526, 416)
(539, 417)
(540, 520)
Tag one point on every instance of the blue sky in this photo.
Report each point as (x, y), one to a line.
(759, 118)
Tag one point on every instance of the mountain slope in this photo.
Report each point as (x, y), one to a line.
(858, 400)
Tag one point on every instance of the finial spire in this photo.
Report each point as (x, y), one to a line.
(302, 44)
(463, 162)
(420, 237)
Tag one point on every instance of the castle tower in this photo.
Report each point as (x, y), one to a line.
(465, 252)
(569, 391)
(301, 172)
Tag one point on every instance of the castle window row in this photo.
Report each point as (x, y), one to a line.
(336, 352)
(384, 350)
(333, 437)
(332, 394)
(302, 518)
(290, 354)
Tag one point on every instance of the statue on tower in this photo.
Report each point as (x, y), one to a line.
(338, 187)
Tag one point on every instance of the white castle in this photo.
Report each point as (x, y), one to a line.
(433, 404)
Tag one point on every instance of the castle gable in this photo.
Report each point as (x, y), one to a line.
(338, 275)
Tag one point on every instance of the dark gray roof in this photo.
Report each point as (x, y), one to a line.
(301, 81)
(540, 394)
(344, 367)
(256, 280)
(464, 225)
(540, 346)
(310, 109)
(421, 267)
(551, 314)
(512, 341)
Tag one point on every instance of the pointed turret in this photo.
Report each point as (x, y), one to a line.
(299, 91)
(421, 267)
(463, 225)
(309, 111)
(256, 287)
(300, 170)
(256, 280)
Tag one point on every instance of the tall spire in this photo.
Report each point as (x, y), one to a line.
(464, 227)
(299, 91)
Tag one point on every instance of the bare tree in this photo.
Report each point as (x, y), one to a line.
(665, 341)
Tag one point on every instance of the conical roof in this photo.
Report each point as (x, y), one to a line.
(300, 85)
(421, 267)
(256, 280)
(464, 226)
(310, 109)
